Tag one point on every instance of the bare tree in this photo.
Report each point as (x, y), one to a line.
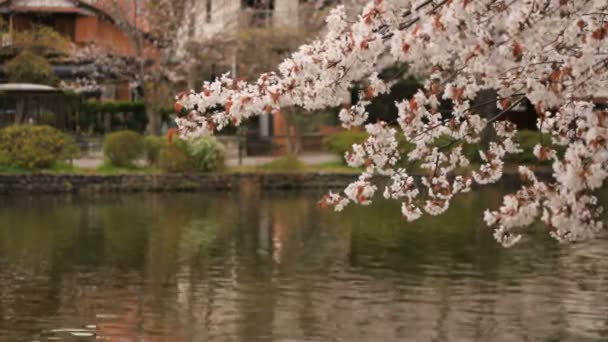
(151, 26)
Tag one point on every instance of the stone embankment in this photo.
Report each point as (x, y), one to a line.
(74, 183)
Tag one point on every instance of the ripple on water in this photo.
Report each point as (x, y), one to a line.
(188, 267)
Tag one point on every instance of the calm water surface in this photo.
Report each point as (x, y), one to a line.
(274, 267)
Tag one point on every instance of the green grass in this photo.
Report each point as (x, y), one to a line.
(291, 164)
(10, 169)
(57, 168)
(63, 168)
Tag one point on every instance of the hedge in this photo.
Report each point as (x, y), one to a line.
(124, 115)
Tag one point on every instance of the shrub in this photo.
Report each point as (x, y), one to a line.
(41, 40)
(174, 158)
(207, 153)
(123, 147)
(30, 68)
(35, 147)
(152, 147)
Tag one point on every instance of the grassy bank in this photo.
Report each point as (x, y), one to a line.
(282, 165)
(104, 169)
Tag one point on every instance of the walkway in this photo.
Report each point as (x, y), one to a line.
(94, 161)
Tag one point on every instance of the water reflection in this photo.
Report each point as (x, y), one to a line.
(274, 267)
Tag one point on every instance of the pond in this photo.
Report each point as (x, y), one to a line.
(274, 267)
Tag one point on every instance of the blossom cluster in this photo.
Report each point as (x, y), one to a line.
(552, 53)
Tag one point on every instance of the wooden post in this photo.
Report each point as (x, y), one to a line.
(107, 123)
(19, 113)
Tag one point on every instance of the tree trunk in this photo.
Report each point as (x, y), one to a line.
(154, 121)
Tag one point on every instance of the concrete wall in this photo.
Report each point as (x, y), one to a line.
(227, 17)
(285, 13)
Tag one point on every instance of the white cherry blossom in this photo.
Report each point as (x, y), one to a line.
(552, 53)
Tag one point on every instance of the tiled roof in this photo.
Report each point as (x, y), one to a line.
(76, 10)
(128, 10)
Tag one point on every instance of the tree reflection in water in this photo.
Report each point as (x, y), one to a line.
(273, 266)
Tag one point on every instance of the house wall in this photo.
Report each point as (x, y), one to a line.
(105, 34)
(85, 29)
(123, 91)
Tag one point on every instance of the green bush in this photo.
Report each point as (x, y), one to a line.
(175, 158)
(207, 153)
(152, 146)
(123, 147)
(35, 147)
(28, 67)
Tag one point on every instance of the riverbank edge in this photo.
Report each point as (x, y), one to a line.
(191, 182)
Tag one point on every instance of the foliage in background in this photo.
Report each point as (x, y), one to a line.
(174, 158)
(342, 142)
(262, 49)
(527, 139)
(123, 148)
(35, 147)
(203, 154)
(41, 40)
(31, 53)
(207, 153)
(383, 107)
(123, 115)
(152, 146)
(29, 67)
(258, 50)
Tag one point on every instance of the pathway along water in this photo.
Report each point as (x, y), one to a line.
(274, 267)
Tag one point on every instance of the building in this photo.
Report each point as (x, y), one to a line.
(209, 19)
(99, 33)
